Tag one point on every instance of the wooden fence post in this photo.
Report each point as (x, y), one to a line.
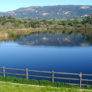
(27, 74)
(53, 76)
(80, 79)
(4, 72)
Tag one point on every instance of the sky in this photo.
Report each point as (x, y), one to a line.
(8, 5)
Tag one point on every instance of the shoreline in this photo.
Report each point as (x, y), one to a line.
(13, 33)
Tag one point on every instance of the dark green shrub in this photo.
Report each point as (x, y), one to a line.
(34, 82)
(44, 82)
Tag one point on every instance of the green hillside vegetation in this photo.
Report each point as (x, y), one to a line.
(13, 23)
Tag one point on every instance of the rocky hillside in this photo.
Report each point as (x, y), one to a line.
(50, 12)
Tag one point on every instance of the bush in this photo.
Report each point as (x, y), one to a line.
(1, 28)
(44, 82)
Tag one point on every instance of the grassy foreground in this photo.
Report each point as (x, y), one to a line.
(10, 87)
(13, 84)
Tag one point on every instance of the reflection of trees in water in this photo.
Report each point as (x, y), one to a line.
(55, 38)
(88, 36)
(65, 39)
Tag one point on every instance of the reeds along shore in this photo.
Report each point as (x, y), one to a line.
(11, 33)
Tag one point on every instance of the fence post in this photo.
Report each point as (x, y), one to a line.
(80, 75)
(53, 76)
(26, 73)
(4, 72)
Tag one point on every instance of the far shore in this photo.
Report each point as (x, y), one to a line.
(11, 33)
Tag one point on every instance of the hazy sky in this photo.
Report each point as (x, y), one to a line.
(7, 5)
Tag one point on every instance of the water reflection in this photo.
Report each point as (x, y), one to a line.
(24, 53)
(54, 40)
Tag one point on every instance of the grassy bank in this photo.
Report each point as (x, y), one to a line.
(9, 87)
(36, 82)
(41, 83)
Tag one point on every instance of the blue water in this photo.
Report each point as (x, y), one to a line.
(62, 59)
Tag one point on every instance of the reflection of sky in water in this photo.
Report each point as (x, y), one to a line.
(64, 59)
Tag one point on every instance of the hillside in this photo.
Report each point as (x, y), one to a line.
(50, 12)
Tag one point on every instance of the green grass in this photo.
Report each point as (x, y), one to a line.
(9, 87)
(13, 84)
(37, 82)
(9, 84)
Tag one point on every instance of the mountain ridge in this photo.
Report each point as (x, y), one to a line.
(50, 12)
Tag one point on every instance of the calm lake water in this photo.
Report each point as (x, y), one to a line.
(58, 52)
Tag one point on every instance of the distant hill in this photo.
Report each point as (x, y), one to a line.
(50, 12)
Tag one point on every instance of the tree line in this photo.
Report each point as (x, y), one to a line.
(7, 22)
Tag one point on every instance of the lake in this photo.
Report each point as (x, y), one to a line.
(58, 52)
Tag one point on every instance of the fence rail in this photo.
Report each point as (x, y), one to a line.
(28, 73)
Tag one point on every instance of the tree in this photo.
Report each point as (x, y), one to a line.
(87, 19)
(8, 25)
